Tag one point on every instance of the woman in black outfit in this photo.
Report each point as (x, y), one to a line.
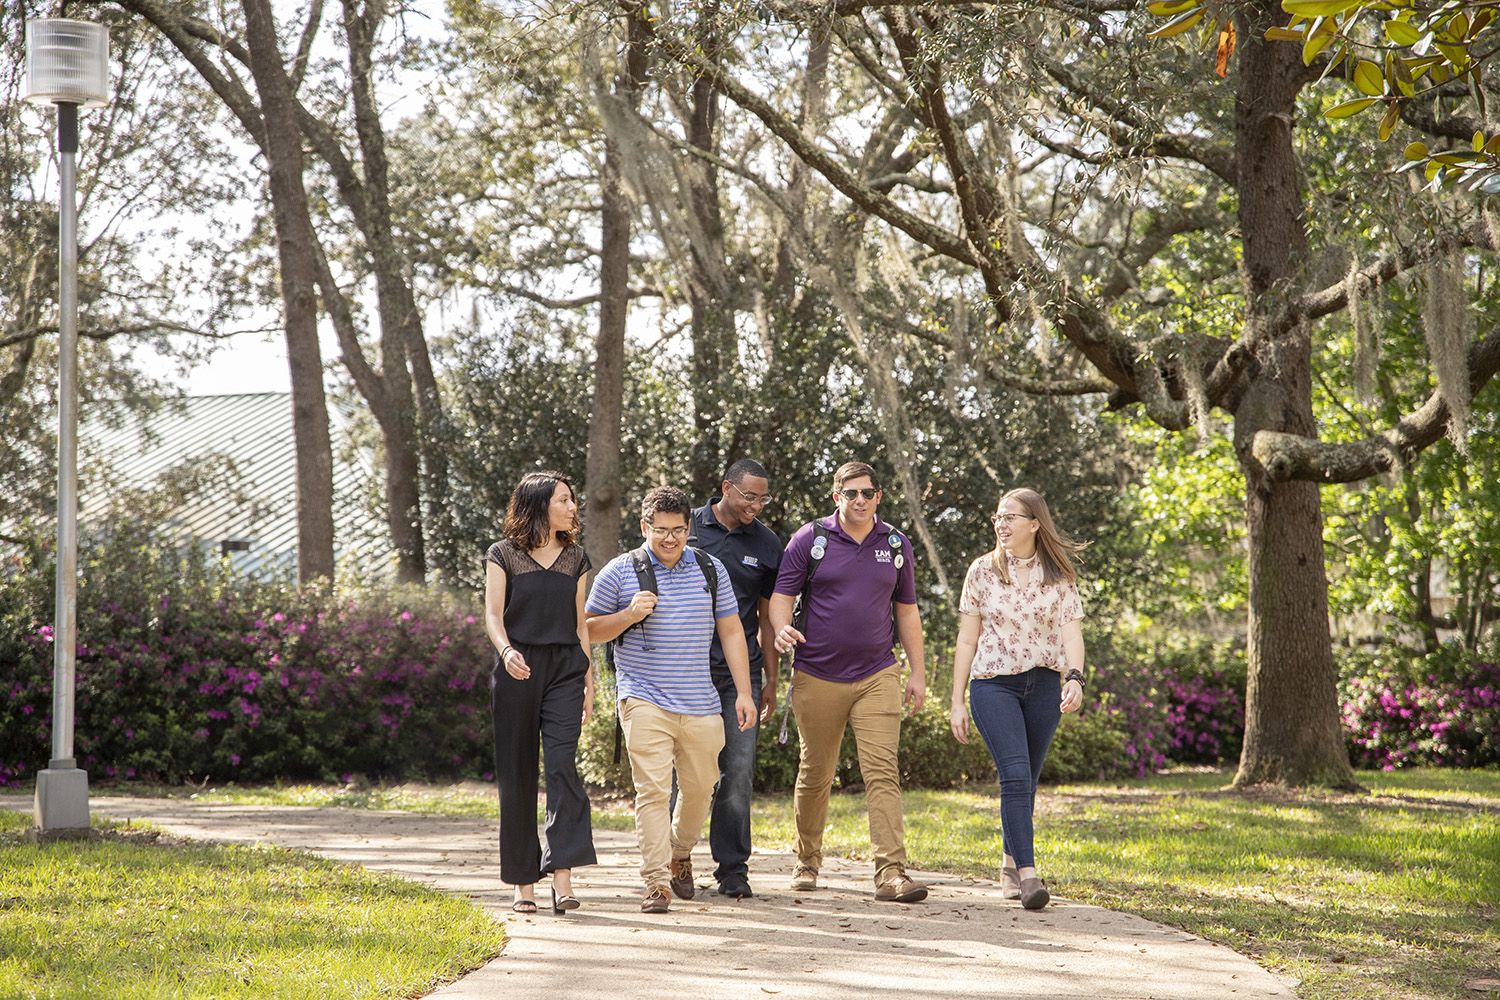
(533, 612)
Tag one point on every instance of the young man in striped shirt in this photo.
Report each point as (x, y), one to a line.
(669, 708)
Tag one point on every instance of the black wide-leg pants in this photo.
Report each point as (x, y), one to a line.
(546, 707)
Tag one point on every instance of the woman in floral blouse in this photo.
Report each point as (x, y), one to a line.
(1020, 653)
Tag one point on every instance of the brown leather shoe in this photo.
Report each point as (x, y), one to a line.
(682, 878)
(656, 901)
(900, 889)
(804, 879)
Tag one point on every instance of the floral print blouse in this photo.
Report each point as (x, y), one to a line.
(1019, 627)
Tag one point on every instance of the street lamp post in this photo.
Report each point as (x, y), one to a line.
(67, 65)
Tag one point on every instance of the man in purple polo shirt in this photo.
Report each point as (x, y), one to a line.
(861, 600)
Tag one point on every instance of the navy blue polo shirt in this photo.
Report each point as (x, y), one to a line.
(752, 554)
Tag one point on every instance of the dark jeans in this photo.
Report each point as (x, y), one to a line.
(729, 821)
(1017, 715)
(547, 706)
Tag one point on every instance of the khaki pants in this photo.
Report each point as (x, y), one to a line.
(872, 706)
(658, 741)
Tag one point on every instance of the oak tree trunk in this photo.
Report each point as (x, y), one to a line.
(602, 480)
(1292, 732)
(298, 269)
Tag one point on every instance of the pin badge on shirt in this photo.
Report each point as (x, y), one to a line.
(818, 548)
(895, 541)
(899, 560)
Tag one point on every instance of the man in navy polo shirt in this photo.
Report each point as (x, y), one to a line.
(861, 600)
(669, 708)
(727, 528)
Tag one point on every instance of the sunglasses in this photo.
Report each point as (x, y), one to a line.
(868, 493)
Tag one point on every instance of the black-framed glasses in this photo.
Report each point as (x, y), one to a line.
(1008, 518)
(680, 531)
(868, 493)
(753, 499)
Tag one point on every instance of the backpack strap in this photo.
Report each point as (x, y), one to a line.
(645, 578)
(815, 559)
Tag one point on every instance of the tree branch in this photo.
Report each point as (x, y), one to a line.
(855, 189)
(1291, 457)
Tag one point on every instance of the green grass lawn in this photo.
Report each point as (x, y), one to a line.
(154, 920)
(1390, 895)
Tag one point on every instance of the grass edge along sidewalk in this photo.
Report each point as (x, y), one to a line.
(154, 916)
(1390, 895)
(1395, 894)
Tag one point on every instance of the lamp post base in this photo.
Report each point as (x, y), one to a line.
(62, 800)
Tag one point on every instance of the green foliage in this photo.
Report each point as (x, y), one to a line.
(186, 670)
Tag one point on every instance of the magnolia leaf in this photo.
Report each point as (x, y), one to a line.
(1401, 33)
(1456, 158)
(1458, 27)
(1179, 24)
(1456, 54)
(1315, 43)
(1493, 146)
(1349, 108)
(1166, 8)
(1283, 35)
(1478, 143)
(1319, 8)
(1416, 151)
(1440, 73)
(1481, 21)
(1388, 123)
(1398, 73)
(1433, 169)
(1368, 78)
(1226, 49)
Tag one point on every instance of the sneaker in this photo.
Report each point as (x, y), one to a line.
(1010, 883)
(737, 886)
(656, 900)
(1034, 894)
(900, 889)
(682, 878)
(804, 879)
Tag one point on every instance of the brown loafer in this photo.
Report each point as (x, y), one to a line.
(900, 889)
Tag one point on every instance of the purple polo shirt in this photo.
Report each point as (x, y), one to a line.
(850, 634)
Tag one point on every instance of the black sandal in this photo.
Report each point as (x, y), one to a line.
(561, 904)
(524, 906)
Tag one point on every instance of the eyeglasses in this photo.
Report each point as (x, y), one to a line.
(753, 499)
(678, 532)
(868, 493)
(999, 519)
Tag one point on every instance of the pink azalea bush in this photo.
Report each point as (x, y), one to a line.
(1438, 711)
(185, 672)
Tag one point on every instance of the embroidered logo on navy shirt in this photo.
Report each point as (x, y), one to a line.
(750, 560)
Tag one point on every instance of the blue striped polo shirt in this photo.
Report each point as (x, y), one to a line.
(664, 660)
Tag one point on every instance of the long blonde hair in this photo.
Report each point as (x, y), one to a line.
(1057, 553)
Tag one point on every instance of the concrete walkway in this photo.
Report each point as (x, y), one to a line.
(837, 943)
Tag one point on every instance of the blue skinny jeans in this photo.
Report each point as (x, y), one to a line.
(1017, 715)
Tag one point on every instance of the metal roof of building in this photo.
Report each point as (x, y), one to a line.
(253, 518)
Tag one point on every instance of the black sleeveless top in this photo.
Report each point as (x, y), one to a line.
(541, 602)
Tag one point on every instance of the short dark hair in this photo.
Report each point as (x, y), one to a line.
(853, 470)
(528, 519)
(665, 500)
(744, 467)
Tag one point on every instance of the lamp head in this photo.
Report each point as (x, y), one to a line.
(67, 62)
